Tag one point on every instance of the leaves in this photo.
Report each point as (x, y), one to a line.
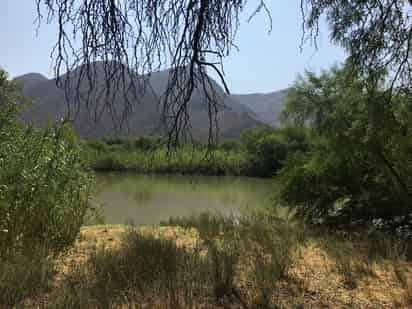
(44, 186)
(361, 148)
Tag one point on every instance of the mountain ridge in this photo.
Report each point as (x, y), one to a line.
(266, 106)
(49, 105)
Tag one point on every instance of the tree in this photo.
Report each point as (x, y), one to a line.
(377, 34)
(359, 166)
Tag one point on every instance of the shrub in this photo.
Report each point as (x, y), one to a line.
(44, 186)
(97, 145)
(267, 149)
(230, 145)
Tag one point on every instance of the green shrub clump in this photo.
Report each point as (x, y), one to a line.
(44, 186)
(359, 168)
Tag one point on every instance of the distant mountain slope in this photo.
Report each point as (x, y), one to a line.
(30, 80)
(49, 104)
(266, 106)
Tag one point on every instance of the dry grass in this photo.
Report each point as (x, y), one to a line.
(119, 267)
(23, 277)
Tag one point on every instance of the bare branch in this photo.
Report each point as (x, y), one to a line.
(110, 47)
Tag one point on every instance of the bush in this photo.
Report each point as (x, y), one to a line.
(97, 145)
(230, 145)
(267, 149)
(44, 188)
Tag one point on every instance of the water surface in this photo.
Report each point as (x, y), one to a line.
(150, 199)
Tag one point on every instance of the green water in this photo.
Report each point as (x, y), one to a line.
(150, 199)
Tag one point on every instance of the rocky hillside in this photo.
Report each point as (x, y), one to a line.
(266, 106)
(50, 104)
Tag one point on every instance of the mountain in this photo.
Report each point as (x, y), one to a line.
(30, 80)
(266, 106)
(95, 121)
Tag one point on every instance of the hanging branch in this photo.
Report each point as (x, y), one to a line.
(110, 47)
(376, 34)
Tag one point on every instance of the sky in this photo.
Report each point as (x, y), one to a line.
(264, 63)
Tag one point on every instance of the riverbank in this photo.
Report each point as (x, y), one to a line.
(185, 161)
(259, 152)
(194, 263)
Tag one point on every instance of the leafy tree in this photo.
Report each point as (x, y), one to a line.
(376, 34)
(360, 163)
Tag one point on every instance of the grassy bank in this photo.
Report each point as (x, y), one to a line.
(260, 152)
(185, 160)
(210, 261)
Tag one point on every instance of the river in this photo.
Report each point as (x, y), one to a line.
(150, 199)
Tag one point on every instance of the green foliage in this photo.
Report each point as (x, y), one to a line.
(158, 160)
(364, 28)
(260, 152)
(359, 166)
(44, 188)
(230, 145)
(267, 149)
(9, 96)
(142, 143)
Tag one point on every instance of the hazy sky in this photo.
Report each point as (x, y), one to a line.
(264, 63)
